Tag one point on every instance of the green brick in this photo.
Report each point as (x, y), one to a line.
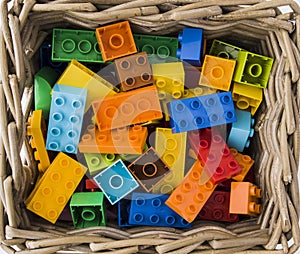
(160, 49)
(252, 69)
(43, 83)
(132, 157)
(96, 161)
(224, 50)
(81, 45)
(87, 209)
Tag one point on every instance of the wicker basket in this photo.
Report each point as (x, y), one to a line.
(257, 24)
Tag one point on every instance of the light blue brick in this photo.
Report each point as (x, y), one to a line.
(65, 118)
(116, 181)
(150, 210)
(201, 112)
(241, 131)
(191, 40)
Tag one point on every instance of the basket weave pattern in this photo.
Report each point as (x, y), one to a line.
(257, 24)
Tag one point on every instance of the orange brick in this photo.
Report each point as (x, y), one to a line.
(115, 40)
(244, 161)
(119, 141)
(126, 108)
(244, 197)
(134, 71)
(191, 195)
(217, 72)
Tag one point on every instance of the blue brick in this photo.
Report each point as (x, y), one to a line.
(123, 212)
(191, 40)
(116, 182)
(201, 112)
(150, 210)
(241, 131)
(65, 118)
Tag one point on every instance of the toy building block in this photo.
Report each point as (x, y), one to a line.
(45, 58)
(87, 209)
(91, 185)
(247, 97)
(116, 182)
(129, 140)
(217, 208)
(171, 148)
(244, 198)
(169, 78)
(133, 71)
(99, 161)
(160, 49)
(132, 157)
(43, 83)
(82, 45)
(80, 76)
(126, 108)
(198, 91)
(252, 69)
(55, 188)
(65, 120)
(224, 50)
(191, 195)
(220, 164)
(123, 212)
(192, 76)
(149, 169)
(217, 72)
(241, 131)
(36, 128)
(245, 162)
(150, 210)
(191, 41)
(115, 40)
(201, 112)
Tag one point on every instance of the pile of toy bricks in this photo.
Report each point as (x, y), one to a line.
(144, 127)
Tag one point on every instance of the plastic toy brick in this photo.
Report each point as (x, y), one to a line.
(198, 91)
(224, 50)
(37, 129)
(133, 71)
(115, 40)
(55, 188)
(116, 182)
(217, 208)
(191, 195)
(87, 209)
(150, 210)
(244, 198)
(245, 162)
(97, 161)
(132, 157)
(126, 108)
(171, 148)
(253, 69)
(191, 41)
(169, 78)
(130, 140)
(220, 164)
(123, 212)
(241, 131)
(80, 76)
(65, 120)
(160, 49)
(91, 185)
(82, 45)
(149, 169)
(247, 97)
(45, 58)
(43, 83)
(217, 72)
(192, 76)
(201, 112)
